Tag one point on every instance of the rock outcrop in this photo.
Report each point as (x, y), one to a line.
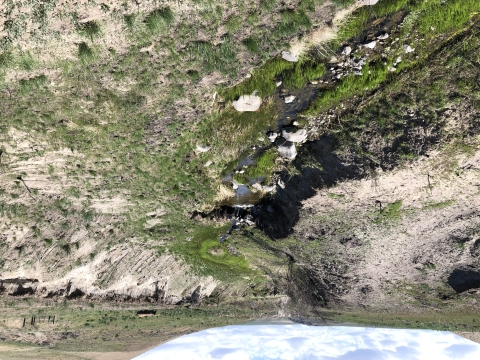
(247, 103)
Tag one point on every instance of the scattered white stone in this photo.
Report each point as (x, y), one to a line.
(268, 188)
(371, 45)
(333, 60)
(235, 184)
(257, 186)
(287, 150)
(408, 49)
(287, 55)
(148, 49)
(281, 184)
(369, 2)
(202, 149)
(392, 69)
(208, 163)
(314, 82)
(241, 171)
(272, 136)
(248, 76)
(295, 136)
(289, 99)
(398, 61)
(295, 123)
(383, 36)
(278, 83)
(247, 103)
(347, 51)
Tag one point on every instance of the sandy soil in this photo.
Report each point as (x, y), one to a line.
(433, 233)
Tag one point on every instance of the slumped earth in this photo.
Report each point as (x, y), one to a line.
(122, 158)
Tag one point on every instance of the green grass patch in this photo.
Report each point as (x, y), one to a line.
(85, 53)
(129, 20)
(159, 19)
(335, 196)
(465, 320)
(34, 83)
(26, 61)
(389, 212)
(208, 256)
(262, 80)
(429, 18)
(210, 57)
(90, 29)
(263, 167)
(251, 43)
(231, 133)
(438, 205)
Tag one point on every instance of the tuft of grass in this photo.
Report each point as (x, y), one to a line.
(439, 205)
(251, 44)
(26, 61)
(34, 83)
(222, 57)
(85, 53)
(390, 212)
(89, 29)
(159, 19)
(130, 20)
(6, 59)
(335, 196)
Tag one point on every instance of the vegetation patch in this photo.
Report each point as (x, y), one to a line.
(389, 212)
(158, 20)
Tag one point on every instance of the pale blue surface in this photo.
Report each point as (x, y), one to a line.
(258, 342)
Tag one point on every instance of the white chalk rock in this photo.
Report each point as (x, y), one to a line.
(278, 83)
(408, 49)
(289, 99)
(268, 188)
(202, 149)
(272, 136)
(371, 45)
(295, 136)
(247, 103)
(369, 2)
(208, 163)
(257, 186)
(383, 36)
(347, 51)
(287, 55)
(287, 150)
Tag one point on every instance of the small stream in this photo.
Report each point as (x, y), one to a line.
(347, 61)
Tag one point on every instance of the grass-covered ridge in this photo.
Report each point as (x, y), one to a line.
(430, 21)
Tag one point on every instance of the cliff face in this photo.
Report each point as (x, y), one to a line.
(124, 273)
(101, 167)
